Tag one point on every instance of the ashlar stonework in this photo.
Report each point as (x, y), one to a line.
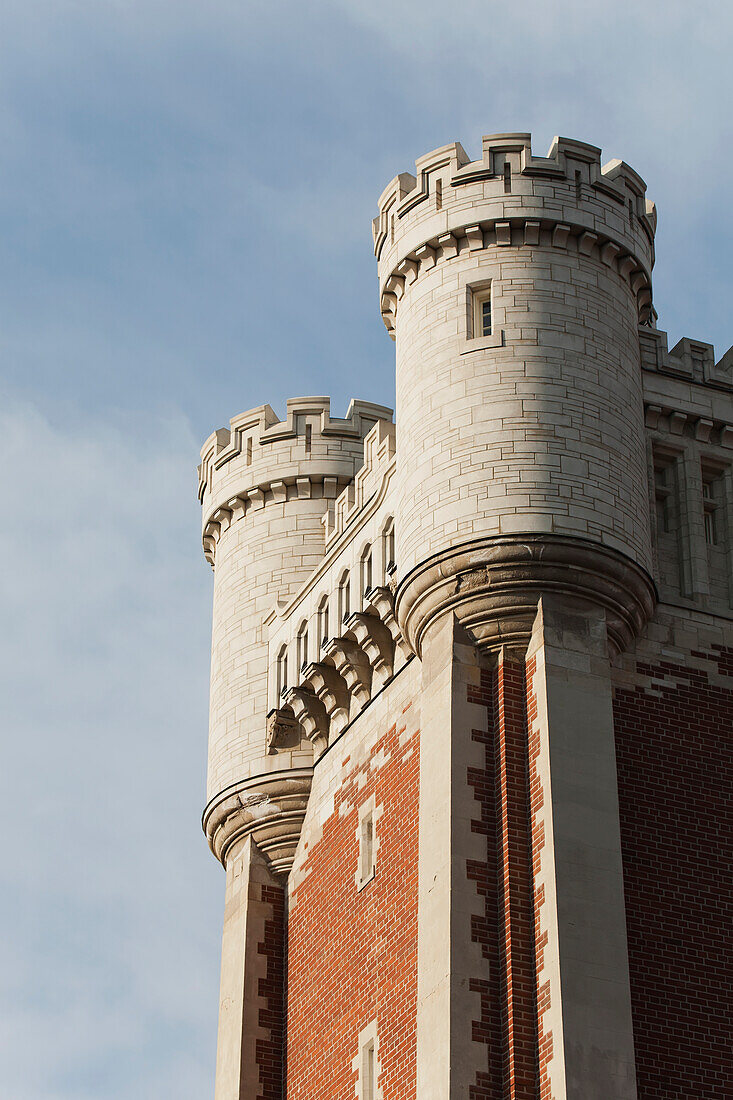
(472, 672)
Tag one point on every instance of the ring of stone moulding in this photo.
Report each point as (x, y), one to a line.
(270, 808)
(493, 586)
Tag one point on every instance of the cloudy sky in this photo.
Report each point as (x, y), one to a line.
(186, 191)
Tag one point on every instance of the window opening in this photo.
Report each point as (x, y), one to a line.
(507, 177)
(249, 451)
(323, 621)
(308, 438)
(367, 847)
(709, 505)
(438, 194)
(282, 671)
(482, 313)
(303, 646)
(388, 549)
(367, 1068)
(366, 571)
(345, 597)
(578, 186)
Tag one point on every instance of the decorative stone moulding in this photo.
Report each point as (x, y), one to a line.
(670, 421)
(253, 500)
(269, 808)
(493, 585)
(332, 692)
(519, 232)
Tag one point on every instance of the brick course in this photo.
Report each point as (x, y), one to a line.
(673, 743)
(352, 955)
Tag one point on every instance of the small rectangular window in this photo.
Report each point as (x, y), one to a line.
(308, 438)
(507, 177)
(438, 194)
(709, 506)
(367, 845)
(482, 313)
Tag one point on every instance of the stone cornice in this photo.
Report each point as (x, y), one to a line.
(270, 808)
(516, 232)
(493, 584)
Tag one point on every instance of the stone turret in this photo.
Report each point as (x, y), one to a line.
(514, 287)
(264, 486)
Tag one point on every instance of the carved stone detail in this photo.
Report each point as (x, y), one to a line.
(374, 638)
(270, 808)
(333, 693)
(492, 585)
(310, 712)
(382, 600)
(353, 665)
(283, 731)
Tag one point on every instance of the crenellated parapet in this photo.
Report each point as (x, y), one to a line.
(690, 360)
(512, 199)
(260, 460)
(379, 458)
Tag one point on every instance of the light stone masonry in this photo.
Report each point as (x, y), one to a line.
(442, 628)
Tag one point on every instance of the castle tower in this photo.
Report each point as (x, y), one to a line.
(472, 678)
(264, 486)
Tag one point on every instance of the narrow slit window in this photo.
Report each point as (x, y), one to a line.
(282, 672)
(345, 597)
(308, 438)
(249, 451)
(438, 194)
(303, 646)
(388, 549)
(323, 621)
(507, 177)
(578, 187)
(366, 571)
(367, 847)
(368, 1071)
(709, 505)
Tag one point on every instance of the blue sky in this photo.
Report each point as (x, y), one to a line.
(186, 192)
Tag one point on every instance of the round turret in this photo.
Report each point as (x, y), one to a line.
(514, 287)
(264, 488)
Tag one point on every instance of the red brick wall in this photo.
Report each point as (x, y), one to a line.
(485, 924)
(536, 805)
(506, 926)
(352, 956)
(269, 1051)
(673, 744)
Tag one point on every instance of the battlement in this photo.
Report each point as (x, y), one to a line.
(511, 197)
(379, 457)
(565, 158)
(691, 360)
(306, 418)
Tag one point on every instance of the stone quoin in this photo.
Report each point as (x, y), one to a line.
(472, 672)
